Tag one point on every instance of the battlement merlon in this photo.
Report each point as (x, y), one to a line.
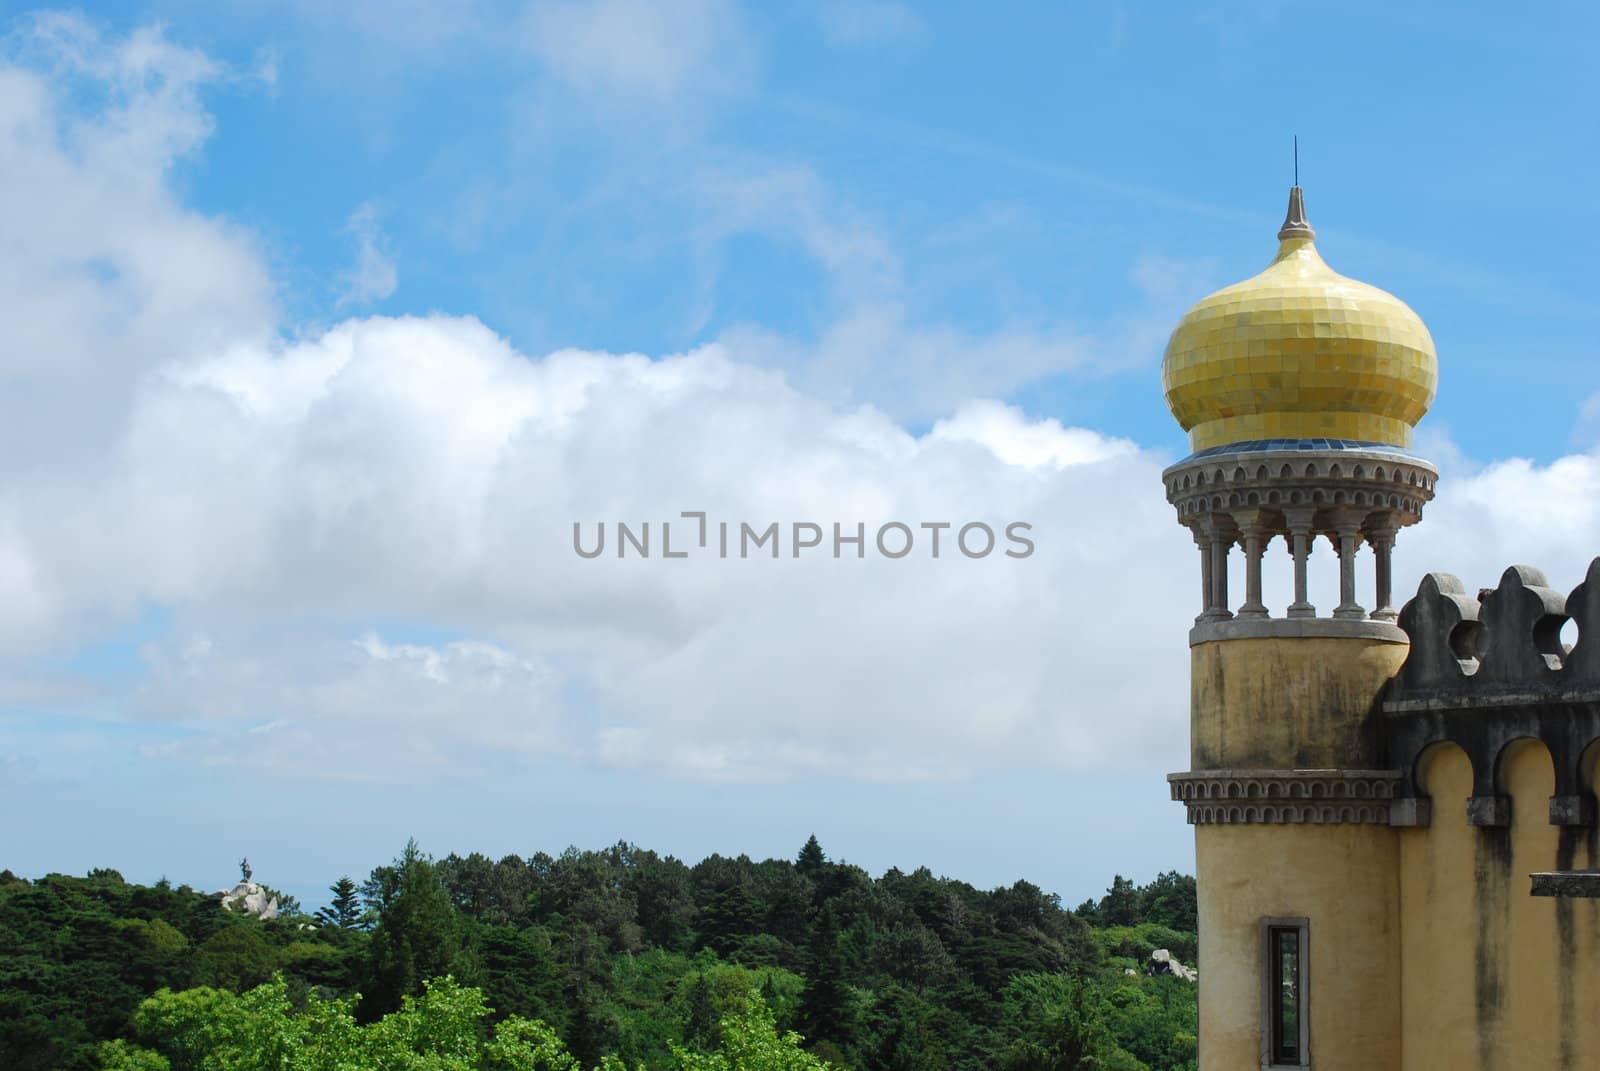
(1486, 671)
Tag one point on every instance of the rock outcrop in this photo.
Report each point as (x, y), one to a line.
(1163, 962)
(250, 898)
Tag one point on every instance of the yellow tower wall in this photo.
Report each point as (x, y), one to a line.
(1492, 978)
(1288, 703)
(1343, 879)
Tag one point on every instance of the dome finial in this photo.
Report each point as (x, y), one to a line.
(1295, 224)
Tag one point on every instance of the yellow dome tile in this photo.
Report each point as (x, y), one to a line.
(1299, 351)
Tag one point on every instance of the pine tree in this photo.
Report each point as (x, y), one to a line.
(418, 936)
(824, 1005)
(811, 860)
(1120, 905)
(701, 1029)
(344, 912)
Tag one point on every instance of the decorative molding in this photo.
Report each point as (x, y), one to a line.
(1281, 479)
(1294, 628)
(1286, 797)
(1299, 491)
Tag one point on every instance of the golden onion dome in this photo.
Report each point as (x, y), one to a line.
(1299, 352)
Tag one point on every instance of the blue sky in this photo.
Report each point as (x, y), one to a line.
(292, 460)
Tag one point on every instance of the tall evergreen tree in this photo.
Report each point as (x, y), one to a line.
(824, 1005)
(701, 1029)
(1120, 906)
(344, 911)
(811, 860)
(1170, 900)
(418, 935)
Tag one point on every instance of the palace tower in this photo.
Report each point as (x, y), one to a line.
(1345, 921)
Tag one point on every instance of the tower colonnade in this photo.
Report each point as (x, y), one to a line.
(1350, 496)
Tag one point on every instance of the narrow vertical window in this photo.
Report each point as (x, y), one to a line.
(1285, 995)
(1285, 1015)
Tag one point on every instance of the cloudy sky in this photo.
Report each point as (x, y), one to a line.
(324, 324)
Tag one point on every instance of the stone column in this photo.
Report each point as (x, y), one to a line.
(1348, 528)
(1223, 533)
(1203, 541)
(1380, 535)
(1300, 539)
(1256, 537)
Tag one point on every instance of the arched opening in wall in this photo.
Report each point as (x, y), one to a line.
(1589, 765)
(1443, 773)
(1277, 575)
(1588, 772)
(1569, 636)
(1322, 575)
(1525, 771)
(1439, 900)
(1235, 578)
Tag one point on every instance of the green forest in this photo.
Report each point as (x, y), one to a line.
(619, 959)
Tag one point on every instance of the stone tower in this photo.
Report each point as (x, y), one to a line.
(1299, 389)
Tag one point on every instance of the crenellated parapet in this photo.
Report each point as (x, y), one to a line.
(1487, 670)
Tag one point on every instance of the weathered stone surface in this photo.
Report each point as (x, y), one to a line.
(1522, 621)
(1505, 644)
(1489, 811)
(1567, 883)
(1572, 810)
(1486, 672)
(1290, 704)
(1583, 606)
(1442, 622)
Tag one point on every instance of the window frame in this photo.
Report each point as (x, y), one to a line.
(1301, 927)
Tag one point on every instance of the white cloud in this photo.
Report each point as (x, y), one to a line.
(362, 710)
(870, 22)
(103, 273)
(642, 52)
(374, 276)
(1016, 440)
(288, 500)
(422, 470)
(1509, 512)
(283, 499)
